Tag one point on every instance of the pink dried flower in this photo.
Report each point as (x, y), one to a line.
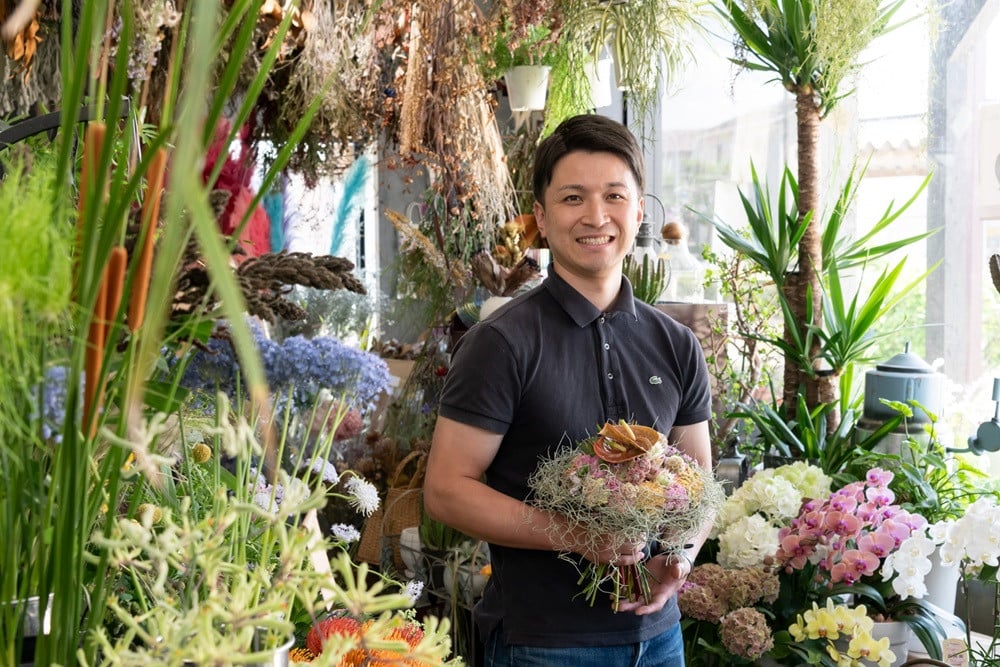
(744, 632)
(700, 602)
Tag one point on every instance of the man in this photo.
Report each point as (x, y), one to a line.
(550, 368)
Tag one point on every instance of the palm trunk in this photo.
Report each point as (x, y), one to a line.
(810, 268)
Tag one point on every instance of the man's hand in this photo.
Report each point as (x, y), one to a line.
(667, 573)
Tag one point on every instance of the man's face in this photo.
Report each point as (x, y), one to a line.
(591, 213)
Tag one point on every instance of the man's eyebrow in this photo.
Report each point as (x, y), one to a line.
(577, 186)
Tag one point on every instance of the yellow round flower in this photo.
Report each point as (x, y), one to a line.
(201, 453)
(151, 511)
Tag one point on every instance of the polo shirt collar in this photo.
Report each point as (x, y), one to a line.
(582, 311)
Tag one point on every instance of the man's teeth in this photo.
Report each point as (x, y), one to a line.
(595, 240)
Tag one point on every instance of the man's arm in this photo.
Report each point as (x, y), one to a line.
(668, 572)
(455, 494)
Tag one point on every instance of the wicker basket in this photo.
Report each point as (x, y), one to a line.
(403, 508)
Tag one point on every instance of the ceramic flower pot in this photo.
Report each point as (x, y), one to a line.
(272, 652)
(410, 550)
(599, 78)
(36, 623)
(899, 635)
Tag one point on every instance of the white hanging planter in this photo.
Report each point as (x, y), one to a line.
(620, 82)
(599, 76)
(527, 86)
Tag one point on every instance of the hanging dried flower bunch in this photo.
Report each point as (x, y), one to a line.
(19, 30)
(446, 123)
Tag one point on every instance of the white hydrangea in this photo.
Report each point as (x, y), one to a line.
(776, 493)
(747, 542)
(324, 468)
(810, 480)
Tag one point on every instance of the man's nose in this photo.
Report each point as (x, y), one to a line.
(595, 212)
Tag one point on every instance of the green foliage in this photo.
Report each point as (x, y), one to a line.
(740, 363)
(35, 265)
(536, 47)
(852, 323)
(648, 39)
(437, 536)
(927, 479)
(68, 480)
(806, 436)
(648, 280)
(810, 45)
(775, 232)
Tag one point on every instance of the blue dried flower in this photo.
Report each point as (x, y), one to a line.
(302, 366)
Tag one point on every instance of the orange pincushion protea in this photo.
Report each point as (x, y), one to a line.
(622, 442)
(300, 654)
(339, 625)
(411, 633)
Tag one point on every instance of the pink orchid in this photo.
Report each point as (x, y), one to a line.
(879, 477)
(841, 523)
(853, 565)
(880, 544)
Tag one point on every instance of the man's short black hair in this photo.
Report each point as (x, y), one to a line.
(590, 133)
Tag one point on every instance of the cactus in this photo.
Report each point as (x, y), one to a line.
(648, 281)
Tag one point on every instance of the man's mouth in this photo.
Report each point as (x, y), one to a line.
(595, 240)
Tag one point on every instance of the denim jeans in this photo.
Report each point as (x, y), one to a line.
(664, 650)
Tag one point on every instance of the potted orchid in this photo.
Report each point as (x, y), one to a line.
(800, 577)
(970, 542)
(838, 548)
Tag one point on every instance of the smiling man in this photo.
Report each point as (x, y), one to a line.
(546, 370)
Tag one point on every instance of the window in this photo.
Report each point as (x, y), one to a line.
(927, 101)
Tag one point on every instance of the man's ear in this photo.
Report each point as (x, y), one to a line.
(540, 218)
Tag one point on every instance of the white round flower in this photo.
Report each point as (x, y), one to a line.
(810, 480)
(364, 496)
(747, 542)
(345, 532)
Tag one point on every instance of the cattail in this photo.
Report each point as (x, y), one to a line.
(114, 282)
(93, 141)
(150, 217)
(93, 359)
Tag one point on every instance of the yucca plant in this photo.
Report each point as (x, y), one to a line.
(822, 352)
(812, 47)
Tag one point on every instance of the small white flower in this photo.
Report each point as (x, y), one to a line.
(345, 532)
(364, 496)
(324, 468)
(296, 492)
(414, 588)
(265, 501)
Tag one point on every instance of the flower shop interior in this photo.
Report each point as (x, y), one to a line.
(218, 388)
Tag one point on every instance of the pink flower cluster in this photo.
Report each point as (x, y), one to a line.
(850, 533)
(642, 483)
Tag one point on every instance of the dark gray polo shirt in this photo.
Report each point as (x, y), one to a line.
(545, 370)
